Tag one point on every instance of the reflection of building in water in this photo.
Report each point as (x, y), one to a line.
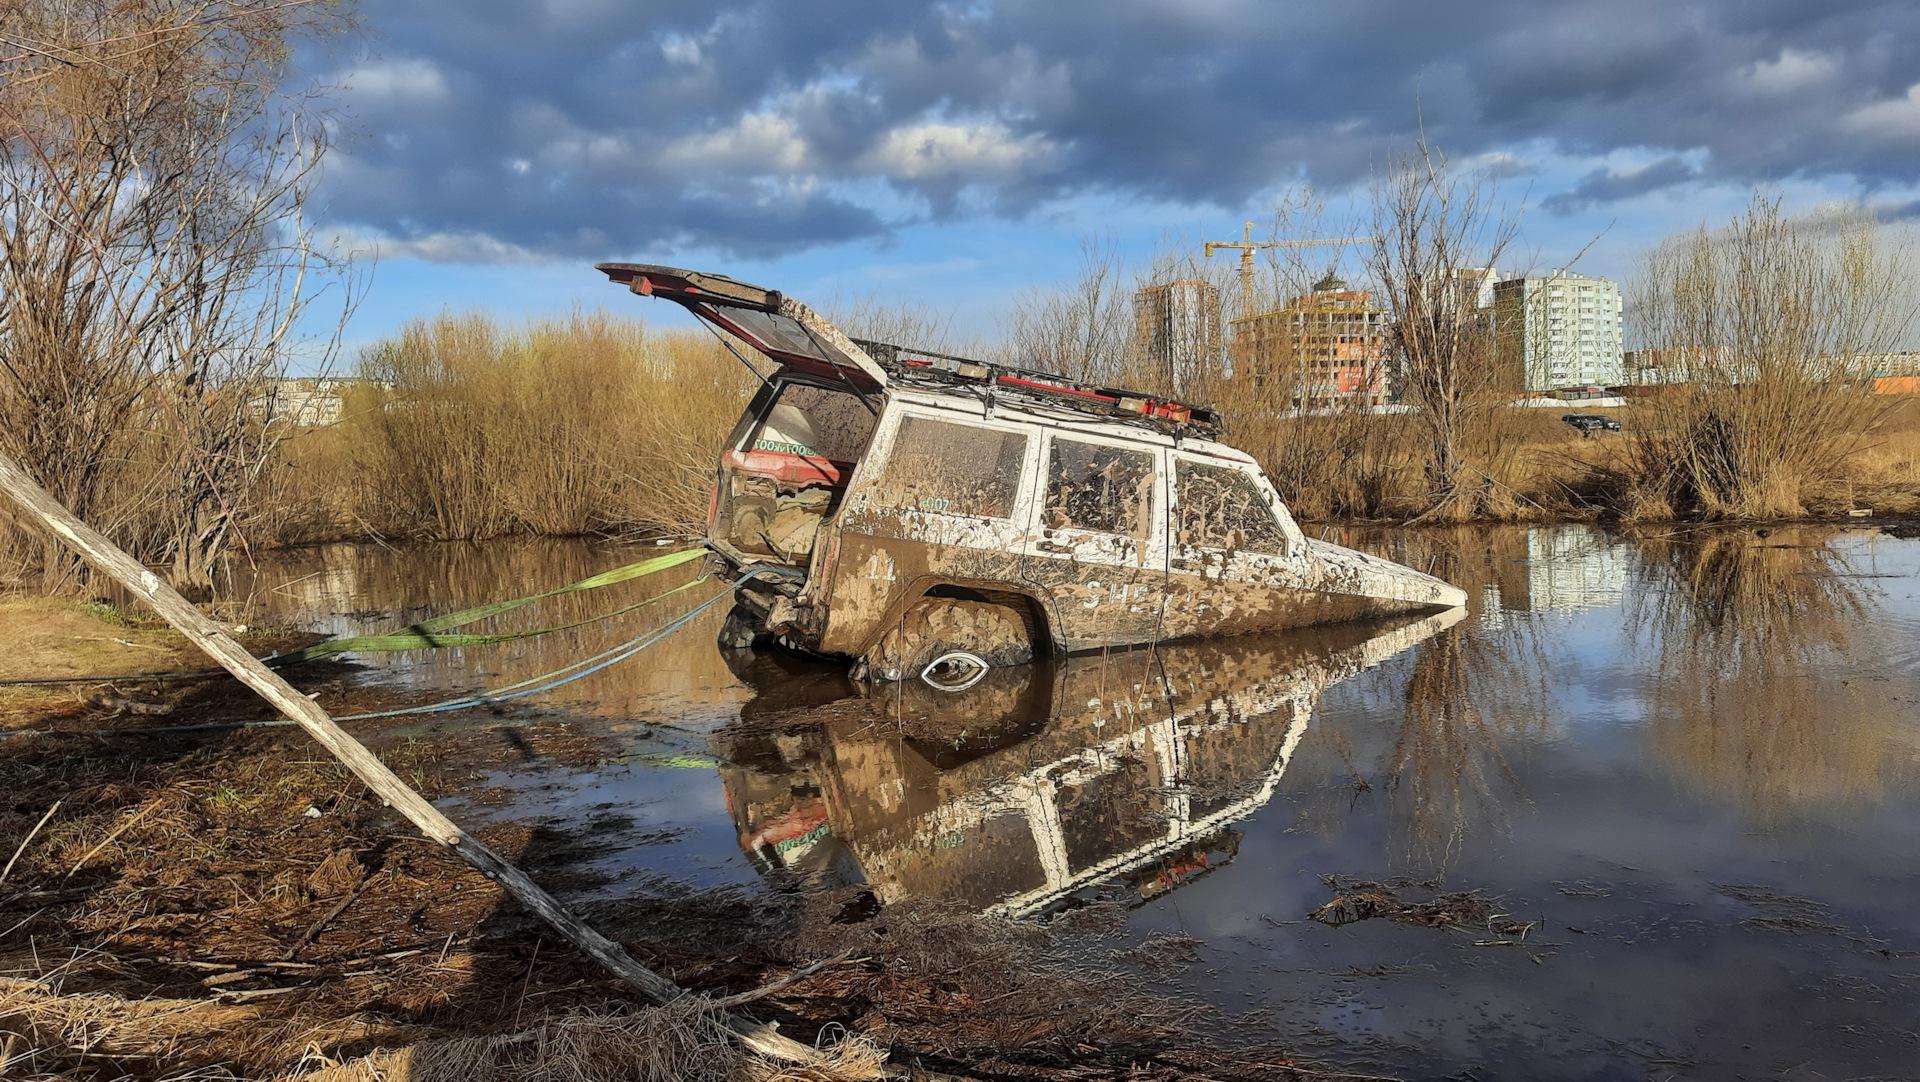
(1565, 569)
(1127, 770)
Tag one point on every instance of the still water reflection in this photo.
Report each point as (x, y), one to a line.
(1125, 773)
(1694, 758)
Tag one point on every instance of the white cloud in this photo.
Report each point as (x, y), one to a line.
(962, 152)
(469, 247)
(1794, 72)
(403, 82)
(1895, 120)
(680, 49)
(764, 142)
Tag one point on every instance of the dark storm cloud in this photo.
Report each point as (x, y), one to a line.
(1607, 185)
(491, 130)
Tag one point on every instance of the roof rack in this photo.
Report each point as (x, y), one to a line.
(944, 371)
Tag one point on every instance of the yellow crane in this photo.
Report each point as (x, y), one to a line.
(1247, 244)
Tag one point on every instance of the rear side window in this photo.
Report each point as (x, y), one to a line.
(1091, 486)
(814, 422)
(951, 469)
(1223, 508)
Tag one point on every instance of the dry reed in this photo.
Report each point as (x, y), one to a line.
(468, 428)
(1769, 330)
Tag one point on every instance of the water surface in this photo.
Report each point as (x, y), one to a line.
(1688, 765)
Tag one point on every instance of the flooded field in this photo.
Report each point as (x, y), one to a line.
(1648, 809)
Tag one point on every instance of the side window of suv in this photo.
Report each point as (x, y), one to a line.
(951, 469)
(1091, 486)
(1218, 507)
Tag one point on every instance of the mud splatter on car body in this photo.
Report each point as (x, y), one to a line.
(947, 507)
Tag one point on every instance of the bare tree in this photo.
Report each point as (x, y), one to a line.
(1770, 329)
(154, 260)
(1084, 330)
(1433, 220)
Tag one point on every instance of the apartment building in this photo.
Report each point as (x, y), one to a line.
(1177, 326)
(1563, 330)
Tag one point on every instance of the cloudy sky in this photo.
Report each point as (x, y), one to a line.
(957, 152)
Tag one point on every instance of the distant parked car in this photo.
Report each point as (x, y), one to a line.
(1589, 423)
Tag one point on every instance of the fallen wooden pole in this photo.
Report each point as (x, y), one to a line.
(212, 638)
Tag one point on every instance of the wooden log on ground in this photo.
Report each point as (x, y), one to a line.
(211, 637)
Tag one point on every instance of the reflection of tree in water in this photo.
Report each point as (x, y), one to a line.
(1446, 771)
(1471, 690)
(1757, 687)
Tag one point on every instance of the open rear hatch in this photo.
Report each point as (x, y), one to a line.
(790, 458)
(778, 326)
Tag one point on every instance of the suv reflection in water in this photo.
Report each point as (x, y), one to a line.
(1117, 776)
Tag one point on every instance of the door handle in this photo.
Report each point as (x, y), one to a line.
(1181, 564)
(1052, 546)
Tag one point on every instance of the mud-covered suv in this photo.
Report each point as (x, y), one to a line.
(948, 515)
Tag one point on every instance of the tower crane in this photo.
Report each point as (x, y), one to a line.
(1247, 244)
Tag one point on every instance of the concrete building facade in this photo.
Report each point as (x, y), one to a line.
(1178, 328)
(1564, 330)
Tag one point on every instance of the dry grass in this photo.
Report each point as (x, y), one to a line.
(1883, 472)
(680, 1042)
(1770, 326)
(44, 1029)
(582, 424)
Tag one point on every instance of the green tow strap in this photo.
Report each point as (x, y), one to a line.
(433, 632)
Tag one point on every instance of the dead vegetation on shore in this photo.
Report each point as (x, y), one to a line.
(234, 905)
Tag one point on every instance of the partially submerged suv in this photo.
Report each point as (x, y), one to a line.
(949, 515)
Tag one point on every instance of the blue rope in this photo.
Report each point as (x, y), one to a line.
(597, 662)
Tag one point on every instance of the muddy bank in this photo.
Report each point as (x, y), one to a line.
(266, 913)
(232, 903)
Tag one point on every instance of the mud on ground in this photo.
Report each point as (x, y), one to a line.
(234, 904)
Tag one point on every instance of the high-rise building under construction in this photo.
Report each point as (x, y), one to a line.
(1178, 328)
(1320, 349)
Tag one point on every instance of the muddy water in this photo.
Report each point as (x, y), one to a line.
(1688, 767)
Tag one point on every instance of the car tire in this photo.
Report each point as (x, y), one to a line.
(937, 627)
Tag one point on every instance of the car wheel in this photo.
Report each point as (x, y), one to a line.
(949, 643)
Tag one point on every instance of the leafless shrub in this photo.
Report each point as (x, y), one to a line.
(153, 258)
(901, 323)
(1083, 330)
(1768, 330)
